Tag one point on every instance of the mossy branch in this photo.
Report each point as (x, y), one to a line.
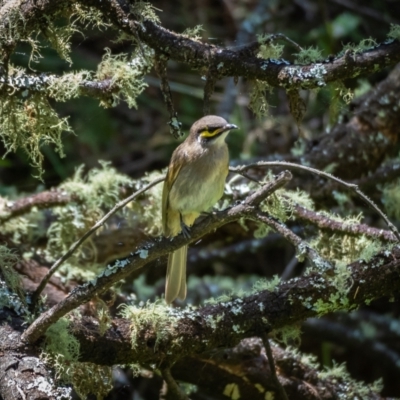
(189, 332)
(152, 250)
(180, 47)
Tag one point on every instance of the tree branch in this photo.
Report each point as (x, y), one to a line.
(122, 268)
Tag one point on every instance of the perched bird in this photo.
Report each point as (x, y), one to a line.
(194, 183)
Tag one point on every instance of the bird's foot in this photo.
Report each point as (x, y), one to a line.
(185, 230)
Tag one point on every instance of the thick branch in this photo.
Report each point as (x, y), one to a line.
(230, 61)
(191, 332)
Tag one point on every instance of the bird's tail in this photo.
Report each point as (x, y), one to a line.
(175, 285)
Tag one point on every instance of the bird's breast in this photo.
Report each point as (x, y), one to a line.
(200, 183)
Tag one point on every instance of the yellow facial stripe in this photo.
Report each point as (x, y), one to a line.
(207, 134)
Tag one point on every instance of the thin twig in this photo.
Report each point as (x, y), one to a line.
(302, 247)
(350, 186)
(325, 223)
(173, 390)
(75, 245)
(279, 388)
(160, 65)
(281, 36)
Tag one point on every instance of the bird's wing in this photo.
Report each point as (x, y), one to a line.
(172, 174)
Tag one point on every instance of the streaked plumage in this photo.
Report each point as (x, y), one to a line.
(194, 183)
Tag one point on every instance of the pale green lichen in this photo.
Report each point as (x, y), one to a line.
(269, 49)
(157, 317)
(344, 248)
(266, 284)
(308, 55)
(144, 10)
(67, 86)
(394, 32)
(95, 193)
(289, 335)
(351, 389)
(11, 277)
(11, 293)
(342, 282)
(193, 33)
(258, 98)
(17, 228)
(61, 351)
(364, 44)
(28, 124)
(126, 74)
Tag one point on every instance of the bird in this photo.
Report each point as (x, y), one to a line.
(194, 183)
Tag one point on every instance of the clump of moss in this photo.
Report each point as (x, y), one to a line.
(269, 49)
(193, 33)
(126, 74)
(363, 45)
(157, 316)
(344, 248)
(61, 350)
(308, 55)
(30, 123)
(394, 32)
(93, 194)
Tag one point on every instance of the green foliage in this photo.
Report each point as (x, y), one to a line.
(345, 24)
(308, 55)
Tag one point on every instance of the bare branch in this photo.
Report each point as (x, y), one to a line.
(350, 186)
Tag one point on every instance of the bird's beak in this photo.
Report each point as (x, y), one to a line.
(229, 127)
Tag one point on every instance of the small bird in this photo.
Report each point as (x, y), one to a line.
(194, 183)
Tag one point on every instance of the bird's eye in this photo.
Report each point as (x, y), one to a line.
(212, 129)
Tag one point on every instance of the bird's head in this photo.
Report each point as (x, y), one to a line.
(211, 129)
